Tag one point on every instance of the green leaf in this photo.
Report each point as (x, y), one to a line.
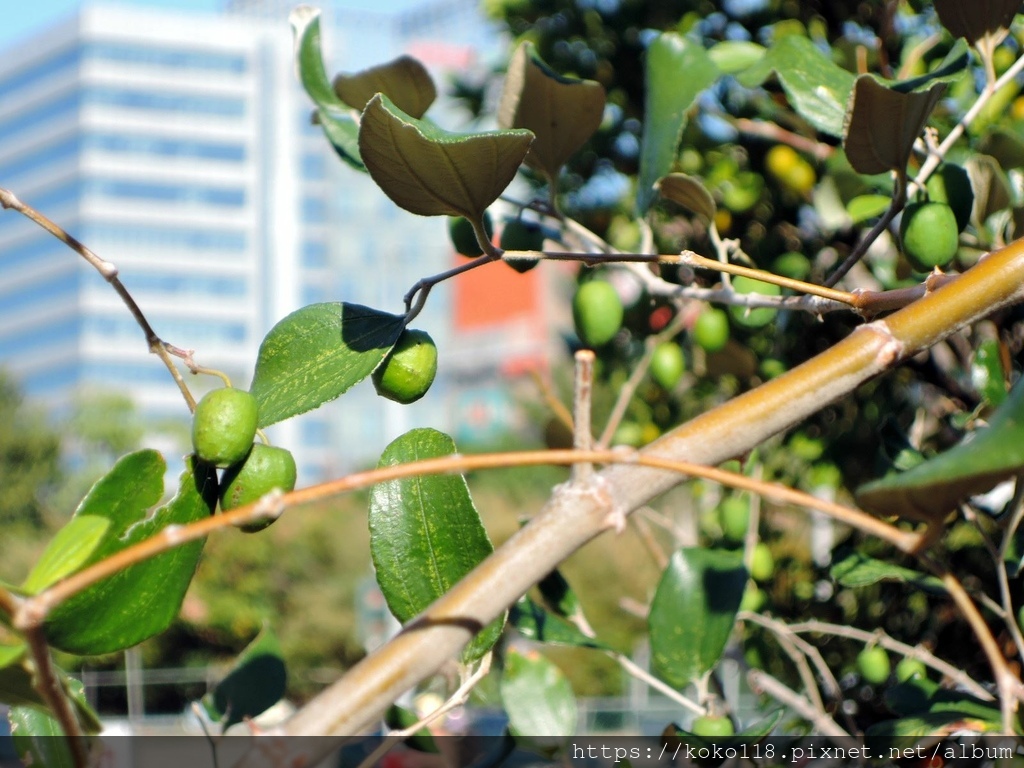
(933, 488)
(883, 123)
(897, 734)
(866, 207)
(432, 172)
(404, 80)
(316, 354)
(561, 112)
(987, 374)
(537, 696)
(141, 600)
(817, 88)
(534, 622)
(978, 18)
(922, 696)
(678, 70)
(38, 738)
(255, 683)
(425, 534)
(17, 687)
(399, 719)
(559, 596)
(732, 56)
(990, 185)
(340, 122)
(693, 612)
(689, 192)
(67, 551)
(859, 570)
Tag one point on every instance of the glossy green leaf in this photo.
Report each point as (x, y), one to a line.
(255, 683)
(693, 612)
(405, 81)
(432, 172)
(316, 354)
(38, 738)
(537, 696)
(562, 112)
(689, 192)
(17, 687)
(340, 122)
(732, 56)
(678, 70)
(425, 534)
(933, 488)
(883, 123)
(866, 207)
(536, 623)
(978, 18)
(817, 88)
(559, 596)
(67, 551)
(141, 600)
(987, 374)
(860, 570)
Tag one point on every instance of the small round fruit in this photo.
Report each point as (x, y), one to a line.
(790, 170)
(407, 372)
(908, 668)
(463, 236)
(597, 312)
(711, 726)
(792, 264)
(519, 235)
(734, 517)
(753, 598)
(873, 665)
(711, 331)
(265, 468)
(667, 365)
(929, 235)
(629, 433)
(762, 564)
(951, 185)
(753, 318)
(224, 426)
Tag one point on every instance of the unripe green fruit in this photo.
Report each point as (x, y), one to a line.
(753, 318)
(463, 236)
(762, 563)
(597, 312)
(224, 426)
(792, 264)
(929, 235)
(712, 726)
(873, 665)
(264, 469)
(519, 235)
(734, 517)
(667, 365)
(711, 331)
(753, 598)
(908, 668)
(407, 372)
(951, 185)
(629, 433)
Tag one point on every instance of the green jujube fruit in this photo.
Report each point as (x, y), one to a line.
(667, 365)
(519, 235)
(597, 312)
(265, 468)
(407, 372)
(224, 425)
(873, 665)
(929, 234)
(951, 185)
(463, 236)
(711, 726)
(753, 318)
(711, 330)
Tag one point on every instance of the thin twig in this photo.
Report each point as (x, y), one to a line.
(762, 682)
(781, 629)
(696, 260)
(47, 682)
(641, 674)
(551, 398)
(583, 437)
(643, 530)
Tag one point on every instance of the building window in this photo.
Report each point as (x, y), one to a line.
(141, 236)
(188, 103)
(314, 254)
(175, 58)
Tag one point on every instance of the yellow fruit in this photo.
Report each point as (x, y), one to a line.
(790, 170)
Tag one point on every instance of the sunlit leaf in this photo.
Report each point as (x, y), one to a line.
(689, 192)
(425, 534)
(255, 683)
(983, 459)
(537, 696)
(67, 551)
(693, 612)
(404, 80)
(562, 112)
(143, 599)
(316, 354)
(432, 172)
(678, 70)
(732, 56)
(866, 207)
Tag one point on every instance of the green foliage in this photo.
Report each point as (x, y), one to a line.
(29, 452)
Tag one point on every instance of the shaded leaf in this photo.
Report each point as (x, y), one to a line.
(316, 354)
(860, 570)
(558, 595)
(933, 488)
(536, 623)
(38, 738)
(255, 683)
(1005, 147)
(689, 192)
(987, 374)
(896, 734)
(537, 696)
(693, 612)
(677, 70)
(432, 172)
(399, 719)
(562, 112)
(425, 534)
(978, 18)
(141, 600)
(340, 123)
(732, 56)
(404, 80)
(817, 88)
(67, 551)
(883, 124)
(991, 188)
(921, 696)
